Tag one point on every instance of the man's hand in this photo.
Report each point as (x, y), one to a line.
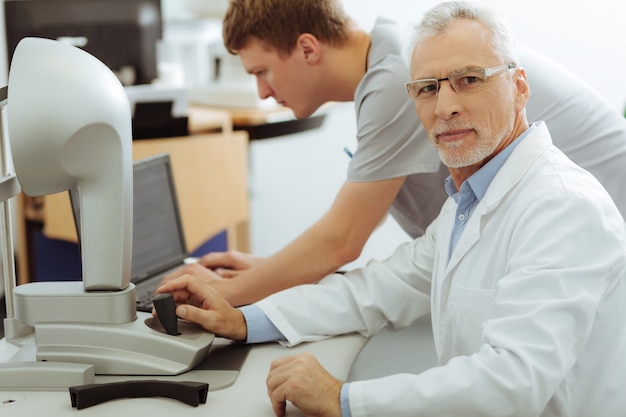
(301, 380)
(200, 303)
(215, 266)
(226, 288)
(229, 264)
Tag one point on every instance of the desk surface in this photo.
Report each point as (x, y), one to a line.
(246, 397)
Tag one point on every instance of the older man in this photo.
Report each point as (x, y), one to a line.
(523, 271)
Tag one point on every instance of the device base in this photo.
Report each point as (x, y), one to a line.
(141, 347)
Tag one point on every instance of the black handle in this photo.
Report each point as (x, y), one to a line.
(165, 308)
(189, 392)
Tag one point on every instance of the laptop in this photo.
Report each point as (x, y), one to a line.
(158, 240)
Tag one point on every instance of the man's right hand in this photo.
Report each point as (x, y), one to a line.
(200, 303)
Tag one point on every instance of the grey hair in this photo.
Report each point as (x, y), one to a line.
(437, 20)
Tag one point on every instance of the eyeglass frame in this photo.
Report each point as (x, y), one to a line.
(487, 71)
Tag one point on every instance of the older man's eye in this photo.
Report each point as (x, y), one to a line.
(469, 80)
(428, 88)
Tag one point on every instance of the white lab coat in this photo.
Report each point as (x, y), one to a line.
(528, 314)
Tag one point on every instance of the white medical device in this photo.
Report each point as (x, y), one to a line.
(78, 133)
(69, 124)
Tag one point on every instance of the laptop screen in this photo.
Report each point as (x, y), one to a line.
(158, 238)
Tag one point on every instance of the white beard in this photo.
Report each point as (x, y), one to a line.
(457, 154)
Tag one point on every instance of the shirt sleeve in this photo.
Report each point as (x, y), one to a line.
(344, 398)
(260, 328)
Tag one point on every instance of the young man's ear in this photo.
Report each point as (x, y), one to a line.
(309, 47)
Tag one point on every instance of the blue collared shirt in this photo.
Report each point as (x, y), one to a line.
(474, 189)
(261, 329)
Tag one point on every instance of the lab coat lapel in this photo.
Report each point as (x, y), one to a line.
(511, 173)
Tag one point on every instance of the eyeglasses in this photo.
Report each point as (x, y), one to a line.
(462, 82)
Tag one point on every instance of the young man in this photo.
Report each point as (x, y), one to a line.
(308, 52)
(523, 271)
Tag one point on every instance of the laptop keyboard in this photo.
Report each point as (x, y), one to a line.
(145, 290)
(144, 301)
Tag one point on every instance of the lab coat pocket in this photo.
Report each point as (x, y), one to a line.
(467, 311)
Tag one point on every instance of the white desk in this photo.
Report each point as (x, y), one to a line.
(246, 397)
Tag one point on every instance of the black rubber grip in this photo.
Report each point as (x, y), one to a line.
(165, 308)
(188, 392)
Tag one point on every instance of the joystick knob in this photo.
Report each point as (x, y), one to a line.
(166, 312)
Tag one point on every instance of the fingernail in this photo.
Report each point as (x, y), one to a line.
(181, 312)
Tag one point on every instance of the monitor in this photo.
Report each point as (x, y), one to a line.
(123, 34)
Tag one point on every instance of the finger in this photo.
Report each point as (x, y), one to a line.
(185, 284)
(201, 272)
(287, 361)
(215, 260)
(276, 393)
(188, 269)
(227, 273)
(173, 275)
(230, 260)
(277, 377)
(182, 293)
(279, 408)
(195, 315)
